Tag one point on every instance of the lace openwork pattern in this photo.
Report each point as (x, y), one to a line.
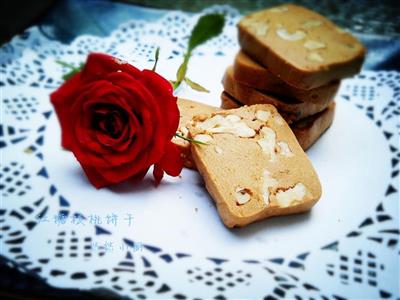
(360, 260)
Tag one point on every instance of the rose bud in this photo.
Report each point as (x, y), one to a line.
(118, 121)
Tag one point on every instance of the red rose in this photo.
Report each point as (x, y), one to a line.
(118, 121)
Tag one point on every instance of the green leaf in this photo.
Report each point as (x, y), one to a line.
(73, 69)
(189, 139)
(196, 86)
(180, 74)
(65, 64)
(156, 55)
(70, 74)
(207, 27)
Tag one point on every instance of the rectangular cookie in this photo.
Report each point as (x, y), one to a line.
(300, 46)
(248, 72)
(307, 130)
(290, 108)
(252, 165)
(187, 110)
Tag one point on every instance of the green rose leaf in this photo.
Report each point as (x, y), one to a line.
(72, 68)
(196, 86)
(207, 27)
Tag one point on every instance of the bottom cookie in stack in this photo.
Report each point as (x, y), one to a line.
(307, 130)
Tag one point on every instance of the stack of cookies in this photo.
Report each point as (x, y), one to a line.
(294, 59)
(278, 100)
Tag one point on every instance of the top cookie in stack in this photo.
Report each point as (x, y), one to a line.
(300, 46)
(292, 58)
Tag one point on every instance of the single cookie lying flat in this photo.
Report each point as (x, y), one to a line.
(307, 130)
(252, 165)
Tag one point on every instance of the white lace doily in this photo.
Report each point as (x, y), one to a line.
(176, 246)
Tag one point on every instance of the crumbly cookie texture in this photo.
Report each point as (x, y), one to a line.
(300, 46)
(188, 109)
(307, 130)
(260, 169)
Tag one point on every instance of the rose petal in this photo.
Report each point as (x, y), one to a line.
(166, 100)
(99, 65)
(171, 162)
(139, 176)
(150, 112)
(62, 100)
(94, 177)
(125, 171)
(128, 130)
(108, 157)
(139, 99)
(158, 174)
(136, 99)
